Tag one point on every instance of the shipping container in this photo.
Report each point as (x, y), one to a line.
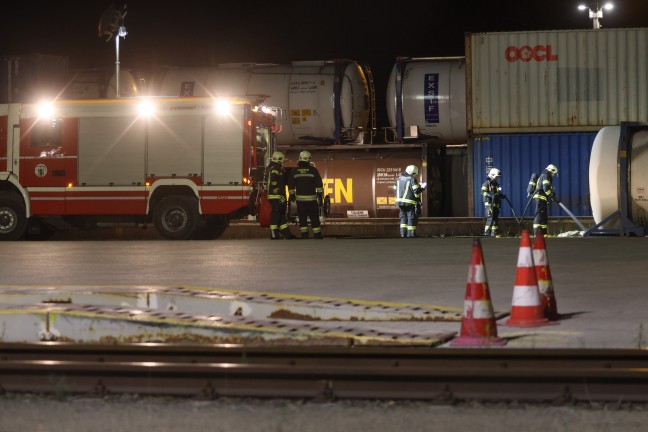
(32, 78)
(360, 182)
(520, 155)
(556, 81)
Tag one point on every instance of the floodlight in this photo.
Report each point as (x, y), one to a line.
(596, 12)
(146, 108)
(45, 110)
(221, 106)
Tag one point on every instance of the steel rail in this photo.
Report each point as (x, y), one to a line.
(319, 373)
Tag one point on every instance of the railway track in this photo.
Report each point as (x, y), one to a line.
(443, 376)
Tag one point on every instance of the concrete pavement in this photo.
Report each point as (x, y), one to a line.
(599, 283)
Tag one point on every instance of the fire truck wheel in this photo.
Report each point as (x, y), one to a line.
(13, 222)
(176, 217)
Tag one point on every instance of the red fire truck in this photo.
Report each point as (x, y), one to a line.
(186, 165)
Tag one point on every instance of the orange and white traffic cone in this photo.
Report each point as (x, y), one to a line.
(526, 309)
(543, 274)
(478, 327)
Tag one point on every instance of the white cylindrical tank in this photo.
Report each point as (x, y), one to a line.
(433, 96)
(100, 83)
(129, 85)
(604, 176)
(322, 101)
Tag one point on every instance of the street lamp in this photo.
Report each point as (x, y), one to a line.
(111, 24)
(596, 12)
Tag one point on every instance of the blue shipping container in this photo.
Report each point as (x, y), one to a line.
(520, 155)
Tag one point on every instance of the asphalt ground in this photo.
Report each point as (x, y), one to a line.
(599, 282)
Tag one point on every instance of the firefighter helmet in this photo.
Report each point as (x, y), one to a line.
(305, 156)
(278, 157)
(412, 170)
(494, 173)
(553, 169)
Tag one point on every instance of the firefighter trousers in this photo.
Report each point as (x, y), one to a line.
(491, 227)
(309, 210)
(408, 220)
(279, 220)
(541, 218)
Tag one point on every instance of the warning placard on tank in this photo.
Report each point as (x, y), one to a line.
(303, 86)
(387, 175)
(385, 179)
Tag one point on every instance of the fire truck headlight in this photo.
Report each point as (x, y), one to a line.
(222, 107)
(146, 108)
(46, 110)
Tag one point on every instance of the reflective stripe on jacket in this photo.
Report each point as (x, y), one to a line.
(544, 187)
(305, 182)
(276, 181)
(491, 193)
(408, 191)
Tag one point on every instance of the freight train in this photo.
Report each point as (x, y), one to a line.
(517, 101)
(329, 108)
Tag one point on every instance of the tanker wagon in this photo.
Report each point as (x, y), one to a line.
(186, 165)
(324, 102)
(618, 180)
(426, 100)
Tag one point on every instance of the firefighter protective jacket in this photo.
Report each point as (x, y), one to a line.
(544, 187)
(305, 183)
(408, 190)
(491, 193)
(276, 181)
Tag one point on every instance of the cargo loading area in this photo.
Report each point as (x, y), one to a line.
(358, 291)
(138, 282)
(516, 101)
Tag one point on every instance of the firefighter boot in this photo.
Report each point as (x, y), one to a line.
(318, 235)
(274, 234)
(287, 234)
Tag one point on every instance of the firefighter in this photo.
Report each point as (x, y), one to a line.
(408, 198)
(277, 198)
(543, 195)
(492, 196)
(307, 190)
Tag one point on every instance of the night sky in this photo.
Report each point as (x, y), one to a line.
(190, 32)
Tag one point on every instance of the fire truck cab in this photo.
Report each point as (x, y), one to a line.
(187, 165)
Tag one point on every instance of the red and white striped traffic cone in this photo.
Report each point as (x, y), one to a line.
(526, 309)
(478, 327)
(543, 274)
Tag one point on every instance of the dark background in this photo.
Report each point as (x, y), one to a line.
(190, 32)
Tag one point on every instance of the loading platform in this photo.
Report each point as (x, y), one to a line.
(119, 314)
